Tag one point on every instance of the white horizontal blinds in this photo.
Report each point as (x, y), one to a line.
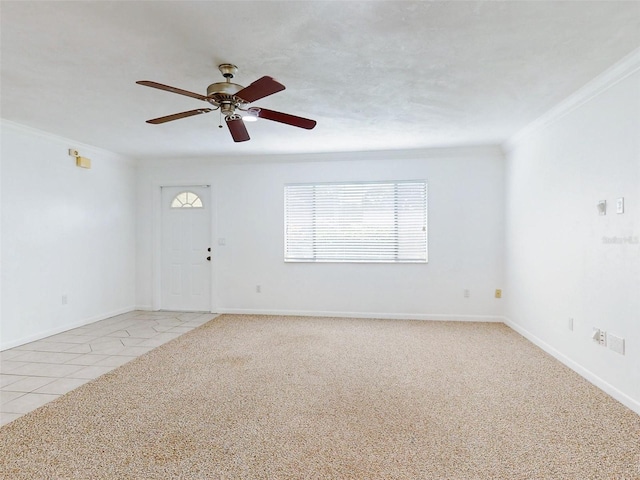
(356, 222)
(411, 220)
(299, 222)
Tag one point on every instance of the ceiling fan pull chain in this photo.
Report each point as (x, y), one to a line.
(220, 122)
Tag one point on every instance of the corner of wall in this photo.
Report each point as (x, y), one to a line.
(558, 262)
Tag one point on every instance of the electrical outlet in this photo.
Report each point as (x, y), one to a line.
(599, 336)
(498, 293)
(65, 299)
(570, 324)
(258, 289)
(466, 293)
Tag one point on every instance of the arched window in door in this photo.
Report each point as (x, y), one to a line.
(186, 200)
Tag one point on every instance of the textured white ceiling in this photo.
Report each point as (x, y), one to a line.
(376, 75)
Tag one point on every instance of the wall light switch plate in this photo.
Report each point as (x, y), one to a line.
(616, 344)
(620, 205)
(602, 207)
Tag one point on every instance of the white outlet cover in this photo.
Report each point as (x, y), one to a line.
(616, 343)
(620, 205)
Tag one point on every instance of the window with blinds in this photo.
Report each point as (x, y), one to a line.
(373, 222)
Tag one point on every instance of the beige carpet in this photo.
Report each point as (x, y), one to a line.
(257, 397)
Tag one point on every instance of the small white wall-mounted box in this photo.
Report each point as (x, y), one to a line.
(620, 205)
(82, 162)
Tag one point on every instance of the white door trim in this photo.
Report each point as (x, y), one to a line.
(156, 249)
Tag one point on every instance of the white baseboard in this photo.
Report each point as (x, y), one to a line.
(622, 397)
(392, 316)
(64, 328)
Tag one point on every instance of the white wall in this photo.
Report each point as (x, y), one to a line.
(562, 257)
(65, 231)
(465, 188)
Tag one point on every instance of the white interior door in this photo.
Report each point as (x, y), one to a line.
(186, 243)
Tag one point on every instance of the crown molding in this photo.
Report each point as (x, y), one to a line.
(618, 72)
(473, 151)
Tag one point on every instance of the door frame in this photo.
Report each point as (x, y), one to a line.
(156, 249)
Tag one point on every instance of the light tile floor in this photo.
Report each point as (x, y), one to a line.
(36, 373)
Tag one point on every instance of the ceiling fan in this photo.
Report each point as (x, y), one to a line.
(229, 97)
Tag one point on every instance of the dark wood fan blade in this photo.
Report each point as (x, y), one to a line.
(237, 128)
(263, 87)
(179, 91)
(283, 118)
(177, 116)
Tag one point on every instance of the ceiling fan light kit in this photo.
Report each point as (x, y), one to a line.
(228, 97)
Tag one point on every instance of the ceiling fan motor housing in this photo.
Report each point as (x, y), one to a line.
(220, 92)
